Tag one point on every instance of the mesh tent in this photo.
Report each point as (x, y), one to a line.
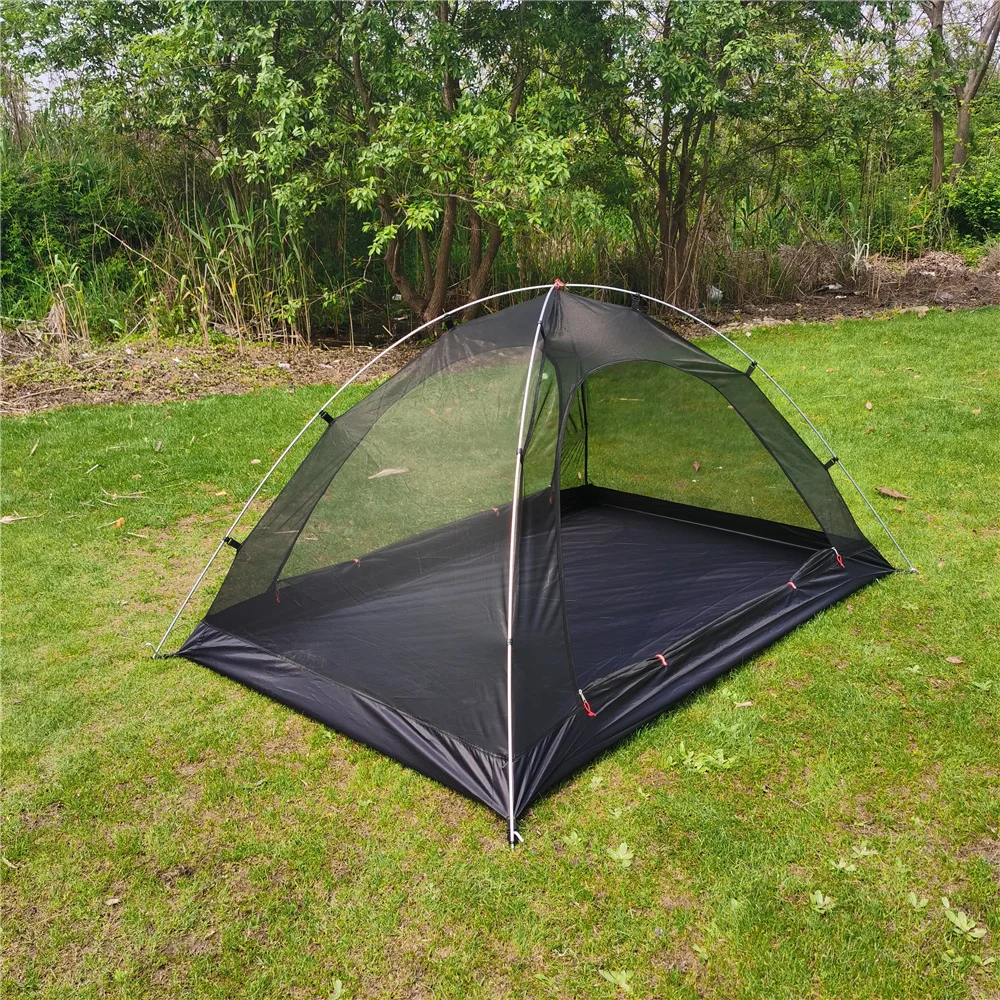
(552, 524)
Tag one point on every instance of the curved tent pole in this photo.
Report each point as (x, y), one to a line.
(312, 420)
(512, 835)
(767, 375)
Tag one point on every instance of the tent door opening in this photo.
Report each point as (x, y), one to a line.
(667, 524)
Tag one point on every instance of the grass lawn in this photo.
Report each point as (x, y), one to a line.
(168, 833)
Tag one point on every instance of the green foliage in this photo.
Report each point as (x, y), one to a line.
(976, 202)
(266, 153)
(621, 978)
(623, 854)
(63, 206)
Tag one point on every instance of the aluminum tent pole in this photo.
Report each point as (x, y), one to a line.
(512, 835)
(312, 420)
(770, 378)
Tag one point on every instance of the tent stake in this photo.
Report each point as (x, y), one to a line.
(316, 416)
(798, 409)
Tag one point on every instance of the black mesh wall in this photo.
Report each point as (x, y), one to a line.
(706, 456)
(382, 563)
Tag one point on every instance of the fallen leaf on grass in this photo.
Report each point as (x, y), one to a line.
(868, 406)
(868, 430)
(696, 466)
(221, 493)
(118, 523)
(977, 412)
(954, 659)
(113, 901)
(743, 704)
(11, 518)
(895, 494)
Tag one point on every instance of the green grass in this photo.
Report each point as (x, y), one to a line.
(168, 833)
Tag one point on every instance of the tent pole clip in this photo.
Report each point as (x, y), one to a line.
(228, 540)
(750, 370)
(831, 463)
(326, 416)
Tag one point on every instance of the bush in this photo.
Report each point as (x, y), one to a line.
(975, 203)
(59, 205)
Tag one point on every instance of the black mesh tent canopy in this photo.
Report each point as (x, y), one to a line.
(556, 521)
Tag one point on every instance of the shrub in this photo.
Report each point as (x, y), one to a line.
(975, 203)
(59, 205)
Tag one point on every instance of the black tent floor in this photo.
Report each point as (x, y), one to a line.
(636, 582)
(641, 578)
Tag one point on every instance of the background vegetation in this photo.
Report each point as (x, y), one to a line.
(276, 169)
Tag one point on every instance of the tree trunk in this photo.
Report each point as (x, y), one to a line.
(475, 242)
(481, 276)
(663, 200)
(960, 153)
(934, 9)
(964, 96)
(937, 162)
(425, 261)
(394, 262)
(435, 304)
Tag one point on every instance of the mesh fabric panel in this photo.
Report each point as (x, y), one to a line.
(442, 452)
(657, 432)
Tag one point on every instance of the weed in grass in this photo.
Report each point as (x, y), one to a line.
(840, 865)
(622, 854)
(821, 903)
(620, 977)
(961, 923)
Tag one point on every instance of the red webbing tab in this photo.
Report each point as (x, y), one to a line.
(586, 705)
(791, 583)
(559, 284)
(661, 658)
(840, 559)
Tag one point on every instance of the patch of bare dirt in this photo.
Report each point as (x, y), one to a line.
(36, 375)
(988, 849)
(935, 280)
